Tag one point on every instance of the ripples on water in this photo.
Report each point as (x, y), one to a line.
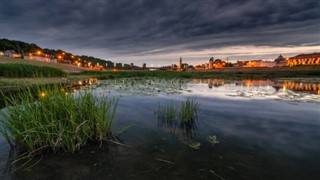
(266, 130)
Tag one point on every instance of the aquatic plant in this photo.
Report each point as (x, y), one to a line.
(183, 117)
(213, 139)
(167, 112)
(188, 111)
(26, 70)
(195, 145)
(56, 121)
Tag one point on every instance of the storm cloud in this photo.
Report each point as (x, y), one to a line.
(161, 29)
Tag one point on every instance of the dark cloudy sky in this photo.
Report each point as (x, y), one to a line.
(160, 31)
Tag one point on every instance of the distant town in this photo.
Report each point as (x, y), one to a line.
(34, 53)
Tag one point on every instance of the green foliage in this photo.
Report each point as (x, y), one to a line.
(183, 117)
(195, 145)
(17, 46)
(167, 112)
(55, 121)
(213, 139)
(25, 70)
(227, 73)
(188, 111)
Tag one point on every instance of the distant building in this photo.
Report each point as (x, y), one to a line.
(258, 63)
(144, 66)
(42, 57)
(281, 61)
(213, 64)
(12, 53)
(210, 66)
(182, 66)
(118, 65)
(304, 59)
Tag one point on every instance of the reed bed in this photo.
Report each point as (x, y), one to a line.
(183, 117)
(56, 121)
(25, 70)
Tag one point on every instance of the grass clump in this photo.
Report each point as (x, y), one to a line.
(189, 110)
(167, 112)
(184, 117)
(57, 121)
(25, 70)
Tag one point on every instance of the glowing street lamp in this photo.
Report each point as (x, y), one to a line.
(39, 52)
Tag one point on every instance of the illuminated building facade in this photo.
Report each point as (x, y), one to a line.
(304, 59)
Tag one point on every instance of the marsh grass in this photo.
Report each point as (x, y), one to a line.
(189, 110)
(26, 70)
(56, 121)
(167, 112)
(184, 116)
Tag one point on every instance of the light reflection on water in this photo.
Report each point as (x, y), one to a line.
(264, 133)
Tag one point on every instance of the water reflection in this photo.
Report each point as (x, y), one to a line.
(185, 129)
(76, 85)
(311, 87)
(259, 139)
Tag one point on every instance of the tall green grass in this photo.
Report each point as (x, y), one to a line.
(25, 70)
(57, 121)
(183, 117)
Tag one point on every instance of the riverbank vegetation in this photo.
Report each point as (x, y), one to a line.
(183, 117)
(25, 70)
(227, 73)
(56, 121)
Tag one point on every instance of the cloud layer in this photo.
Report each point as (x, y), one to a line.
(146, 30)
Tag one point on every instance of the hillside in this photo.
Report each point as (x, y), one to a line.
(66, 67)
(27, 48)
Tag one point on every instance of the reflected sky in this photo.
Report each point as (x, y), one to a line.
(263, 132)
(286, 90)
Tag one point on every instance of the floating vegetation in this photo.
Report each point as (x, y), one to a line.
(146, 86)
(195, 145)
(213, 139)
(56, 121)
(183, 117)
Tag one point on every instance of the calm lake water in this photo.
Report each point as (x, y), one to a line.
(266, 130)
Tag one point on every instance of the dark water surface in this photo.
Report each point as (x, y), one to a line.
(264, 129)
